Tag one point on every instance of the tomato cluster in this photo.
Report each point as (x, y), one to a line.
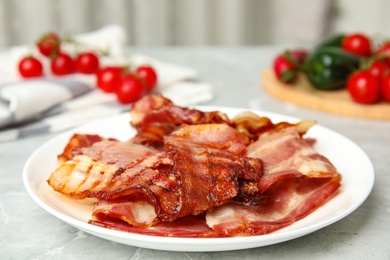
(61, 63)
(128, 85)
(345, 61)
(371, 82)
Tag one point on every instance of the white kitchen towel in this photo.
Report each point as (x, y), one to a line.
(51, 104)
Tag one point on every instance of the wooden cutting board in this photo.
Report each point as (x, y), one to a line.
(336, 101)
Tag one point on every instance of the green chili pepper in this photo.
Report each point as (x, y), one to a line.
(334, 41)
(328, 68)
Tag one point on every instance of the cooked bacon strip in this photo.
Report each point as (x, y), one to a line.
(190, 226)
(188, 177)
(94, 168)
(213, 152)
(285, 202)
(254, 125)
(296, 181)
(158, 110)
(155, 116)
(284, 151)
(216, 136)
(77, 140)
(134, 210)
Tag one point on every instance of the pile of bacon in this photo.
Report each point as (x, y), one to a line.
(188, 173)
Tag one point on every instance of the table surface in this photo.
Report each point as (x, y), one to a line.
(29, 232)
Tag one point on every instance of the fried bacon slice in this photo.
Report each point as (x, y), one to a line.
(296, 180)
(283, 203)
(190, 175)
(77, 140)
(155, 116)
(190, 226)
(254, 125)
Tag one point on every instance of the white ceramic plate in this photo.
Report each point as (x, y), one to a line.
(351, 161)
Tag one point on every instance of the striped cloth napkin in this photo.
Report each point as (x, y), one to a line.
(52, 104)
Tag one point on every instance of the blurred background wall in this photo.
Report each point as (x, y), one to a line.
(195, 22)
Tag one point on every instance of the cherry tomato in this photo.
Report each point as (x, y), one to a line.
(130, 89)
(148, 77)
(384, 50)
(62, 64)
(30, 67)
(108, 78)
(286, 70)
(87, 63)
(385, 86)
(298, 55)
(49, 44)
(363, 87)
(378, 67)
(357, 43)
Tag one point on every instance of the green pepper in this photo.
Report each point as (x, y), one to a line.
(334, 41)
(328, 68)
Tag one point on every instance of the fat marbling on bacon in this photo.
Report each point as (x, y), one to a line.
(198, 174)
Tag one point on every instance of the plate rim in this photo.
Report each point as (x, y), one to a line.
(193, 245)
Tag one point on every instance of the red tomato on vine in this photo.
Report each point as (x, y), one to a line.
(284, 70)
(130, 89)
(148, 76)
(87, 63)
(363, 87)
(378, 67)
(62, 64)
(286, 64)
(384, 51)
(49, 44)
(108, 78)
(357, 43)
(385, 86)
(30, 67)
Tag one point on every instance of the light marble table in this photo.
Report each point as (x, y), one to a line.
(29, 232)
